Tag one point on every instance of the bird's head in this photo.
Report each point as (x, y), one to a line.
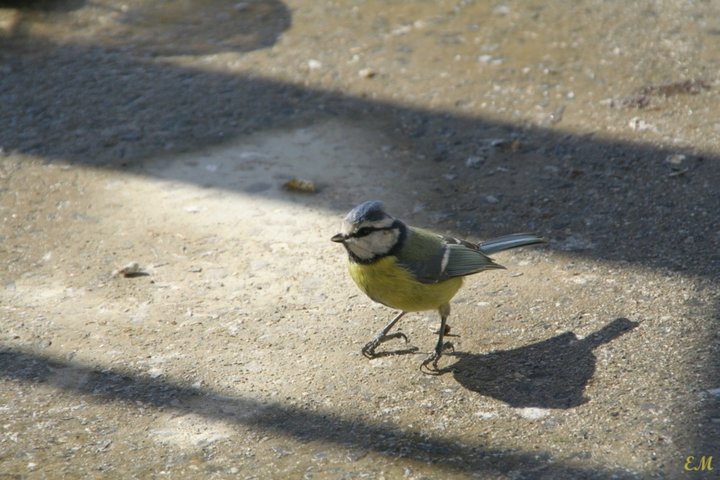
(369, 233)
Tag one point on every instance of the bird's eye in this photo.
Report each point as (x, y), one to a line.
(364, 231)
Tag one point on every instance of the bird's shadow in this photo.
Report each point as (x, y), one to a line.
(552, 373)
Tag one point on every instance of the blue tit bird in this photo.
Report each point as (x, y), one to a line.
(411, 269)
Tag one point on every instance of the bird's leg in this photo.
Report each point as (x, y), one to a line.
(369, 349)
(441, 345)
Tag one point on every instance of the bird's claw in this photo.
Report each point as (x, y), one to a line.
(369, 349)
(429, 365)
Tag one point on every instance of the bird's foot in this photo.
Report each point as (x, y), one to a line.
(369, 349)
(429, 366)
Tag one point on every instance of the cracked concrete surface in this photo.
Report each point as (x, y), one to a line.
(163, 135)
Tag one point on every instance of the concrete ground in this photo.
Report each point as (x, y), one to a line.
(164, 133)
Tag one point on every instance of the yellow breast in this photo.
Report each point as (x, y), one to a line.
(387, 283)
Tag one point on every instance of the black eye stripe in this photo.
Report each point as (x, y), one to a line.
(365, 231)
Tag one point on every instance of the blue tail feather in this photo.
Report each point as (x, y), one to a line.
(507, 242)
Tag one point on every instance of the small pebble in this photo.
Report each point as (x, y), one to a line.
(474, 162)
(300, 185)
(367, 73)
(676, 160)
(639, 125)
(490, 60)
(129, 270)
(533, 413)
(401, 30)
(485, 415)
(501, 10)
(504, 144)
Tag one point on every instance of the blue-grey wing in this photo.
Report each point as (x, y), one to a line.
(432, 258)
(466, 261)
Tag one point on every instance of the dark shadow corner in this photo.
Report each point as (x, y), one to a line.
(43, 5)
(165, 28)
(552, 373)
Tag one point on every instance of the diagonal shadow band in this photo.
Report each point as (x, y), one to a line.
(552, 373)
(113, 128)
(305, 425)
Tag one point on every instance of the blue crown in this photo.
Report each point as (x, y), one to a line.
(369, 211)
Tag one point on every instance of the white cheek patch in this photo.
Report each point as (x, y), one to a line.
(358, 248)
(375, 244)
(383, 241)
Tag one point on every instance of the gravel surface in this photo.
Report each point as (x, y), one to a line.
(171, 310)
